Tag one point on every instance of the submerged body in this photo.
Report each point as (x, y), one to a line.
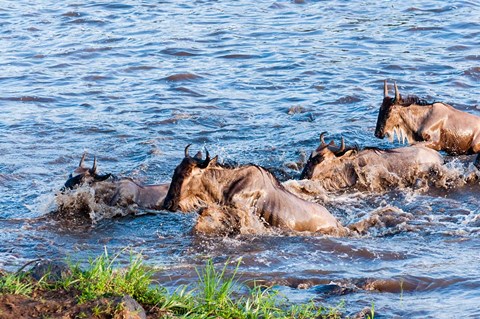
(250, 189)
(370, 168)
(117, 192)
(440, 126)
(129, 191)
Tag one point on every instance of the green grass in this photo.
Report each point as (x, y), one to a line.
(103, 277)
(372, 312)
(16, 284)
(217, 294)
(220, 295)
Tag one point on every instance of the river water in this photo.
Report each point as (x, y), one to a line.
(133, 82)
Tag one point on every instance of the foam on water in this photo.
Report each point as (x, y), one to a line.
(86, 204)
(218, 221)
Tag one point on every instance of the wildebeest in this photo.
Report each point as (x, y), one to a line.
(372, 168)
(439, 125)
(120, 192)
(84, 175)
(249, 189)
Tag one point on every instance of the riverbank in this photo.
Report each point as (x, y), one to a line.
(104, 289)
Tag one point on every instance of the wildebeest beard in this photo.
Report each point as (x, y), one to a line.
(383, 116)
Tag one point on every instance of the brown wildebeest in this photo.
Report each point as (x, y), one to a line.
(249, 189)
(372, 168)
(439, 125)
(125, 191)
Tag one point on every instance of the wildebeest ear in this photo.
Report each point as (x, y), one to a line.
(213, 161)
(198, 155)
(322, 139)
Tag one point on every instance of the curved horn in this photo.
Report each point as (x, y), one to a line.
(207, 157)
(385, 88)
(322, 140)
(94, 167)
(207, 160)
(186, 151)
(397, 93)
(342, 145)
(82, 160)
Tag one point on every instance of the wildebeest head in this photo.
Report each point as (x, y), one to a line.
(186, 178)
(391, 116)
(387, 115)
(324, 154)
(84, 175)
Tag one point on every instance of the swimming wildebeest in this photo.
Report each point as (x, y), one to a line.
(121, 192)
(248, 189)
(372, 168)
(439, 125)
(84, 175)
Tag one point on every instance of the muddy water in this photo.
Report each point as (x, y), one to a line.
(133, 83)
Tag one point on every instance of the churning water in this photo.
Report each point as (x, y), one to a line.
(256, 82)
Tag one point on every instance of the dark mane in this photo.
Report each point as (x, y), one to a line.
(233, 164)
(228, 165)
(412, 99)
